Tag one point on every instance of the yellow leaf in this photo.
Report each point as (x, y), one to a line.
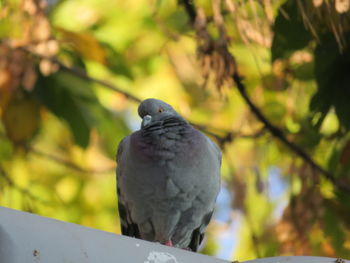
(85, 44)
(67, 188)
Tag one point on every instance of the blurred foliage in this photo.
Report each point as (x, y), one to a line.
(60, 126)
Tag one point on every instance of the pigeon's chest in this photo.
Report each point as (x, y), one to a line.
(169, 166)
(164, 149)
(164, 167)
(163, 154)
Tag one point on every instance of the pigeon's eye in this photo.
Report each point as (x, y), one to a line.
(160, 110)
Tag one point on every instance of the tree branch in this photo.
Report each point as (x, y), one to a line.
(82, 74)
(275, 131)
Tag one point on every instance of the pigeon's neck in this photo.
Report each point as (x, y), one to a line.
(160, 132)
(170, 125)
(160, 141)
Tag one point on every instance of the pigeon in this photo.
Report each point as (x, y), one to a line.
(168, 179)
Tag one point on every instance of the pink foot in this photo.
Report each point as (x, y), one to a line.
(169, 243)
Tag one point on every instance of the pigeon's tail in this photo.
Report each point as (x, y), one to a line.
(198, 234)
(196, 240)
(128, 228)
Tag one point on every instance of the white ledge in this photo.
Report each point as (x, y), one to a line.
(29, 238)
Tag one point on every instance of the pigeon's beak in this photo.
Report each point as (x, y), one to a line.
(147, 119)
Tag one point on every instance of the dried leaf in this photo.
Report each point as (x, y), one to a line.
(29, 77)
(30, 6)
(342, 6)
(47, 48)
(317, 3)
(5, 79)
(298, 220)
(345, 155)
(239, 187)
(41, 30)
(17, 62)
(47, 67)
(213, 55)
(21, 118)
(5, 87)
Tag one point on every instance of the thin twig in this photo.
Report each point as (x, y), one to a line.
(229, 136)
(61, 160)
(23, 191)
(67, 163)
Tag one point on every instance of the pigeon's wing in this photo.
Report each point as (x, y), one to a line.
(198, 234)
(128, 227)
(215, 148)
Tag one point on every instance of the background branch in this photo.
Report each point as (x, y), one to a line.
(277, 133)
(67, 163)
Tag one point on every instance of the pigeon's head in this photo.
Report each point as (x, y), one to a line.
(153, 110)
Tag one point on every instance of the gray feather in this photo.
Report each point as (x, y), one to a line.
(168, 177)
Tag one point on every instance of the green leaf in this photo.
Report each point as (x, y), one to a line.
(333, 80)
(6, 149)
(274, 110)
(73, 58)
(290, 33)
(177, 22)
(72, 99)
(112, 130)
(333, 229)
(333, 161)
(304, 72)
(68, 98)
(310, 137)
(117, 63)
